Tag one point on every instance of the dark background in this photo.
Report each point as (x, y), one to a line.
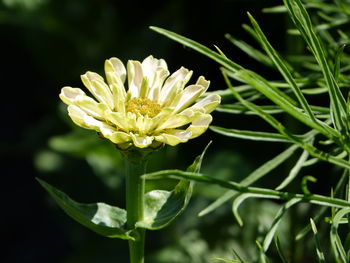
(47, 44)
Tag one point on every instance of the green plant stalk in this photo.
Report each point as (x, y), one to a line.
(135, 191)
(267, 193)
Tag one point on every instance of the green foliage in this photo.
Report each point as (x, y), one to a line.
(327, 138)
(104, 219)
(290, 219)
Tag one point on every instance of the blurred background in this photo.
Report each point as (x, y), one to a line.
(48, 44)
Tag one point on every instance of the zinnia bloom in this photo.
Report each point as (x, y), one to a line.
(156, 109)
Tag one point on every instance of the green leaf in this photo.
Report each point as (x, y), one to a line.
(101, 218)
(303, 23)
(282, 100)
(198, 47)
(337, 246)
(294, 171)
(320, 254)
(249, 50)
(252, 178)
(250, 135)
(276, 221)
(239, 200)
(267, 193)
(283, 67)
(162, 207)
(240, 109)
(279, 250)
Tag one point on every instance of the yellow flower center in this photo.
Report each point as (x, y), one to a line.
(143, 106)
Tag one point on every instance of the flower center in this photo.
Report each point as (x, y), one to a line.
(143, 106)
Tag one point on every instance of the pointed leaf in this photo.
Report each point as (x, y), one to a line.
(250, 135)
(101, 218)
(276, 221)
(320, 254)
(162, 207)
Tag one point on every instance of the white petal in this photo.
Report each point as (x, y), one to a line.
(200, 125)
(135, 77)
(155, 87)
(115, 136)
(209, 103)
(203, 82)
(174, 137)
(174, 121)
(161, 117)
(188, 96)
(150, 66)
(118, 119)
(82, 119)
(155, 71)
(177, 80)
(77, 97)
(98, 88)
(141, 141)
(116, 66)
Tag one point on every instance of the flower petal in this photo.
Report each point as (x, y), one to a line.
(141, 141)
(116, 74)
(98, 88)
(135, 78)
(156, 71)
(199, 125)
(187, 97)
(114, 65)
(176, 81)
(174, 121)
(203, 82)
(174, 137)
(209, 103)
(82, 119)
(118, 119)
(115, 136)
(150, 65)
(77, 97)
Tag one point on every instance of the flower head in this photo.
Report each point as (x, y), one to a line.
(157, 108)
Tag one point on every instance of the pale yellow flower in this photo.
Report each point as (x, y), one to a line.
(156, 109)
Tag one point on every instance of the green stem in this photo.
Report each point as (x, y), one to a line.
(135, 165)
(268, 193)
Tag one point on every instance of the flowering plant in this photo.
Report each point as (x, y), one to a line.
(156, 109)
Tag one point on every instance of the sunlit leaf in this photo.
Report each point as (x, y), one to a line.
(101, 218)
(162, 207)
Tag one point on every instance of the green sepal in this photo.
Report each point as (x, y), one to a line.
(101, 218)
(162, 207)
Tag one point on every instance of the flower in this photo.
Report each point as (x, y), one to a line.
(157, 108)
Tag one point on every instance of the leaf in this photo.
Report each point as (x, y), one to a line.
(162, 207)
(279, 250)
(276, 96)
(276, 221)
(320, 254)
(239, 109)
(267, 193)
(198, 47)
(252, 178)
(303, 23)
(337, 246)
(239, 200)
(101, 218)
(294, 171)
(250, 135)
(249, 50)
(284, 68)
